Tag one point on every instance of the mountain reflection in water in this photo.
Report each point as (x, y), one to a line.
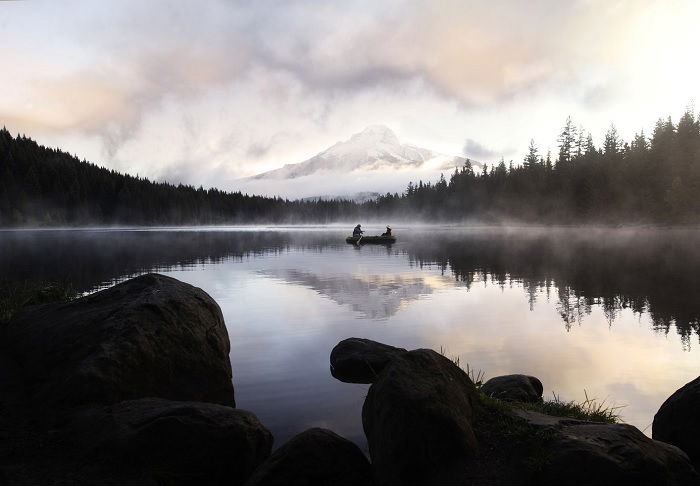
(650, 271)
(371, 296)
(613, 312)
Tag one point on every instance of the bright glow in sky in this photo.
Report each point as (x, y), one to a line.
(206, 92)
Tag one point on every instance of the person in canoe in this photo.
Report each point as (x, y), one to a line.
(388, 231)
(357, 231)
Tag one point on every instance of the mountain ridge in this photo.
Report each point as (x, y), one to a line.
(373, 149)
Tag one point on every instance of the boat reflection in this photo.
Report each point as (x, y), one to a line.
(648, 271)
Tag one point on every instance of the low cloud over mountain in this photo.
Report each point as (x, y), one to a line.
(373, 160)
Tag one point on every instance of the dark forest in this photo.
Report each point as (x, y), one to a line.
(651, 179)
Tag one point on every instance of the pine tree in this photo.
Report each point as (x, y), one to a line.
(468, 169)
(441, 184)
(580, 143)
(590, 147)
(687, 138)
(501, 168)
(612, 144)
(532, 156)
(663, 137)
(639, 143)
(566, 141)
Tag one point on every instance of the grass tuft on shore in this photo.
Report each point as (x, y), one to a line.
(477, 376)
(14, 296)
(590, 409)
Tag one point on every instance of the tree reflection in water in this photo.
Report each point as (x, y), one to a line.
(650, 271)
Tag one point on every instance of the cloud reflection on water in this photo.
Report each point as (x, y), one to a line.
(376, 297)
(579, 309)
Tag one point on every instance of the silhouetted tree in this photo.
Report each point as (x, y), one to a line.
(646, 180)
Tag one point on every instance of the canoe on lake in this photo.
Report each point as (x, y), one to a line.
(385, 240)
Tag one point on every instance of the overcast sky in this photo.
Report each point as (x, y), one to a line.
(206, 92)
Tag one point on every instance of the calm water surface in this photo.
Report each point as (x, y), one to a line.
(613, 314)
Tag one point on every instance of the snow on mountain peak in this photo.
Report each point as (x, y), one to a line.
(372, 143)
(377, 133)
(374, 159)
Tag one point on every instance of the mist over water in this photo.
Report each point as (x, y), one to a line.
(614, 312)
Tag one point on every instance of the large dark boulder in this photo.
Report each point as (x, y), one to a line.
(514, 388)
(418, 420)
(357, 360)
(149, 441)
(678, 420)
(151, 336)
(575, 452)
(316, 457)
(177, 442)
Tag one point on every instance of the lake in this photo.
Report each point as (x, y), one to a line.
(612, 314)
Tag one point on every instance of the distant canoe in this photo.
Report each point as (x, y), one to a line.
(377, 240)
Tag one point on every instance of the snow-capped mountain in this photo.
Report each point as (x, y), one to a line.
(374, 148)
(373, 160)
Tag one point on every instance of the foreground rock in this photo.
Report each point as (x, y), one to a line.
(152, 336)
(678, 420)
(316, 457)
(357, 360)
(514, 388)
(417, 418)
(575, 452)
(173, 442)
(131, 385)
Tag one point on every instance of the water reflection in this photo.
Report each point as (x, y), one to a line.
(375, 297)
(93, 258)
(580, 309)
(647, 271)
(656, 272)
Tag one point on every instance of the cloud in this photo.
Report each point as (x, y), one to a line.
(126, 64)
(112, 104)
(125, 73)
(472, 148)
(600, 94)
(336, 184)
(453, 46)
(146, 53)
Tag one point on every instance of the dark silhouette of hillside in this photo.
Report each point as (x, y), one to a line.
(649, 180)
(652, 180)
(40, 186)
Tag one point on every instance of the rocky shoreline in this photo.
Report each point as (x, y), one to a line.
(133, 385)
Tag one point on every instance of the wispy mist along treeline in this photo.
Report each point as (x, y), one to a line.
(41, 186)
(651, 179)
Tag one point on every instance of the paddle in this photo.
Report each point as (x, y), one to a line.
(358, 240)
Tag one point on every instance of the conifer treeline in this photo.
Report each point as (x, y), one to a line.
(48, 187)
(655, 179)
(652, 179)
